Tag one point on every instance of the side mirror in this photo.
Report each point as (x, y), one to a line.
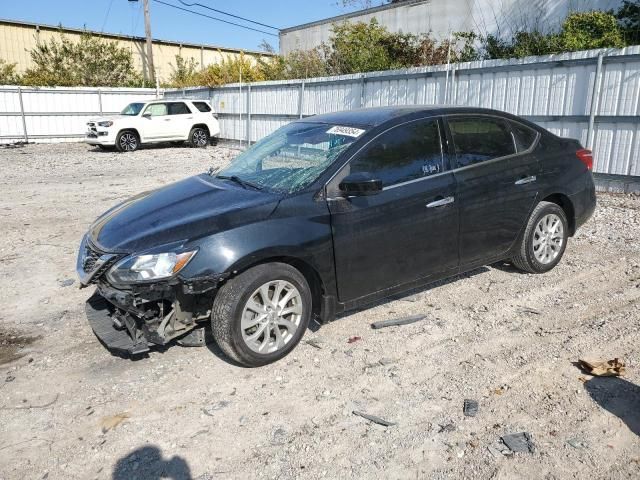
(147, 116)
(360, 184)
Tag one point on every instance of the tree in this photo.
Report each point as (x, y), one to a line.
(185, 73)
(587, 30)
(91, 61)
(628, 17)
(8, 75)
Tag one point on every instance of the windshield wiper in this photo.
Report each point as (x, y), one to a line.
(243, 183)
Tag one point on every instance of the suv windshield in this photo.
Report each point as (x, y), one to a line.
(132, 109)
(292, 157)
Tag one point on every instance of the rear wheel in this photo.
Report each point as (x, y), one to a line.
(544, 240)
(259, 316)
(198, 137)
(127, 141)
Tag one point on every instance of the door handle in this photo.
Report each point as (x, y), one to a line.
(167, 119)
(526, 180)
(441, 202)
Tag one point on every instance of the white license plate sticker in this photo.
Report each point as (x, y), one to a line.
(346, 131)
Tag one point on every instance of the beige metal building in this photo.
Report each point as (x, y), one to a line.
(18, 38)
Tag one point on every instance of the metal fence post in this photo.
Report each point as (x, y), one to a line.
(248, 115)
(595, 100)
(301, 100)
(100, 100)
(362, 91)
(24, 120)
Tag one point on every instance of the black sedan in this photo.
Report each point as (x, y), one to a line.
(328, 214)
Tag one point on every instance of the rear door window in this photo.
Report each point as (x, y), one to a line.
(478, 139)
(202, 106)
(406, 152)
(524, 137)
(178, 108)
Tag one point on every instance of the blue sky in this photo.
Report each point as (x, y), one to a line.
(125, 17)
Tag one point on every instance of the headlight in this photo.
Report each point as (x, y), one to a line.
(149, 267)
(108, 123)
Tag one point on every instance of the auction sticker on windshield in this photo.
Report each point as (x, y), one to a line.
(347, 131)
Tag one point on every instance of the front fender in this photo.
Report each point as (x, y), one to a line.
(299, 229)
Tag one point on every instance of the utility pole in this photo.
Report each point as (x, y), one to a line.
(147, 31)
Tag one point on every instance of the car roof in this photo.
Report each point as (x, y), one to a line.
(371, 117)
(165, 100)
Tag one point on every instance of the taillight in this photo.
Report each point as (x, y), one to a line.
(586, 157)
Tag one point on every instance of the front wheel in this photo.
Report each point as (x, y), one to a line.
(127, 141)
(259, 316)
(198, 137)
(544, 240)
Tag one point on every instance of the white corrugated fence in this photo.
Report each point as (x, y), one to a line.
(58, 114)
(590, 95)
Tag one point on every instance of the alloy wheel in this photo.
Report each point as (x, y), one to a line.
(200, 137)
(128, 142)
(271, 316)
(548, 238)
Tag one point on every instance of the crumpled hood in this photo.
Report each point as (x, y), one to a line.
(186, 210)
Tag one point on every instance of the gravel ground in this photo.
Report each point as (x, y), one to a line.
(69, 409)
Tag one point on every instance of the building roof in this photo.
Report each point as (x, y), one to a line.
(117, 36)
(347, 16)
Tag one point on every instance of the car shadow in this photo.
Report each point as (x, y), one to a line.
(619, 397)
(147, 463)
(415, 291)
(151, 146)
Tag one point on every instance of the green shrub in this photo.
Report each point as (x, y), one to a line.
(8, 75)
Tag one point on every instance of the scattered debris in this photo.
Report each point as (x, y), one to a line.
(411, 298)
(449, 427)
(111, 422)
(314, 342)
(67, 283)
(602, 368)
(27, 407)
(530, 310)
(577, 443)
(354, 339)
(397, 321)
(519, 442)
(470, 408)
(215, 407)
(279, 436)
(10, 378)
(374, 419)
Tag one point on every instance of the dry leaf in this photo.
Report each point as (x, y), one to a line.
(603, 368)
(111, 422)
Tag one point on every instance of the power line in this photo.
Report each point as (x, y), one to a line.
(106, 16)
(214, 18)
(226, 13)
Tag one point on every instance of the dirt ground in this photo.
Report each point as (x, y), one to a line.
(70, 410)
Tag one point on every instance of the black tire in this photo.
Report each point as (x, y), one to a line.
(525, 258)
(198, 137)
(229, 304)
(127, 141)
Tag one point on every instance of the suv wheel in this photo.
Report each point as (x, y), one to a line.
(544, 240)
(259, 316)
(198, 137)
(127, 141)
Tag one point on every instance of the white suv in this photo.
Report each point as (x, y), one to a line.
(193, 121)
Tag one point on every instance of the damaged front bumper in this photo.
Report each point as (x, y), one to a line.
(131, 321)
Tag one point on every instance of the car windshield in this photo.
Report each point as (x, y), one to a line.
(132, 109)
(292, 157)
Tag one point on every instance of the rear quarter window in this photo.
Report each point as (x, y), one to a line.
(523, 136)
(202, 106)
